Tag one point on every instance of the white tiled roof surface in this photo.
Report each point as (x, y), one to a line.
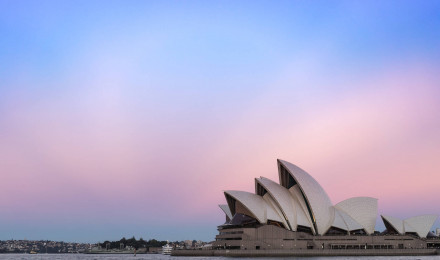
(226, 210)
(261, 210)
(320, 204)
(420, 224)
(283, 198)
(362, 209)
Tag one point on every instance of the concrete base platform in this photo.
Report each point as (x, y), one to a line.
(305, 252)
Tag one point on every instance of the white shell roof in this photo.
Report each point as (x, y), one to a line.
(349, 221)
(226, 210)
(273, 212)
(302, 218)
(362, 209)
(283, 198)
(339, 221)
(344, 221)
(307, 204)
(261, 210)
(396, 223)
(408, 228)
(318, 200)
(420, 224)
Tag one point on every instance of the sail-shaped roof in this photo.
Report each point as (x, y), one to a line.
(256, 205)
(339, 222)
(302, 217)
(320, 208)
(300, 203)
(343, 221)
(396, 223)
(226, 210)
(420, 224)
(349, 221)
(283, 199)
(362, 209)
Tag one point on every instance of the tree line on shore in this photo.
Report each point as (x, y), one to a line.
(132, 242)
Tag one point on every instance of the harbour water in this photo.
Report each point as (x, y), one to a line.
(165, 257)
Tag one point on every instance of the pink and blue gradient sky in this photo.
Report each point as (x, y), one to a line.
(130, 118)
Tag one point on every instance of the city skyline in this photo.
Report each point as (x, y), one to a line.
(129, 118)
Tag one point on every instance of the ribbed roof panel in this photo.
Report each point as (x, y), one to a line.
(362, 209)
(322, 211)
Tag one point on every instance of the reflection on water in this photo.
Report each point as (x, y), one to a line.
(164, 257)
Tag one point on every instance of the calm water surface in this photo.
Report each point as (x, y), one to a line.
(164, 257)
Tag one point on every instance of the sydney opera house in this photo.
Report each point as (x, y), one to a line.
(297, 213)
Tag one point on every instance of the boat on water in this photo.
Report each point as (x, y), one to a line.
(166, 249)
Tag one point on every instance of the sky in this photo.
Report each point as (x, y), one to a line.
(130, 118)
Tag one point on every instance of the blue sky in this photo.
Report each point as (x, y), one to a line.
(142, 112)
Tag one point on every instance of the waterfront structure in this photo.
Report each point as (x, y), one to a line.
(297, 214)
(166, 249)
